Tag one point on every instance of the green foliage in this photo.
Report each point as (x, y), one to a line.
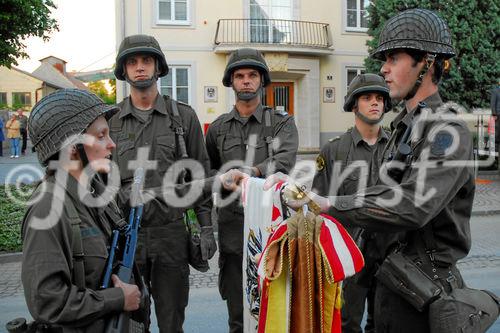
(474, 26)
(11, 216)
(20, 19)
(99, 88)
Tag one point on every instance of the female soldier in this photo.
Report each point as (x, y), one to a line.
(65, 241)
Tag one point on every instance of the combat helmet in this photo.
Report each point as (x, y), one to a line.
(364, 83)
(418, 29)
(61, 115)
(139, 44)
(246, 58)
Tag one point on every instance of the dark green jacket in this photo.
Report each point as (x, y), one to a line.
(448, 182)
(51, 294)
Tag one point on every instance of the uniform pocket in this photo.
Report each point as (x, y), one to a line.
(165, 151)
(351, 182)
(95, 256)
(232, 149)
(125, 152)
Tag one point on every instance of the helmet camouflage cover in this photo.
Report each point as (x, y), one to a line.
(418, 29)
(139, 44)
(61, 115)
(246, 58)
(365, 83)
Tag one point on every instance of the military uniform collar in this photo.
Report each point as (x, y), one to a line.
(234, 114)
(433, 102)
(357, 138)
(72, 186)
(159, 106)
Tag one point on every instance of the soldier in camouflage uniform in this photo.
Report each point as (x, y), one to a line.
(368, 98)
(249, 129)
(148, 119)
(434, 186)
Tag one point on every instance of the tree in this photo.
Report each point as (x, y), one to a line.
(474, 26)
(99, 88)
(20, 19)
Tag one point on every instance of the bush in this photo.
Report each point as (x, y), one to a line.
(11, 216)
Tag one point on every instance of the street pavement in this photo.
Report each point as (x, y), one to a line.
(207, 312)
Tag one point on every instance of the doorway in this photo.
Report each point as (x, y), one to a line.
(279, 95)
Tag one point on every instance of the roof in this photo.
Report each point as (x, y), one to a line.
(41, 60)
(53, 77)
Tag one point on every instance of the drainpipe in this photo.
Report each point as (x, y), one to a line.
(139, 16)
(124, 83)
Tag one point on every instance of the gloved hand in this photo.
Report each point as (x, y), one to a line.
(207, 242)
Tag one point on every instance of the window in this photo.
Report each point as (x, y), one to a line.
(349, 73)
(356, 15)
(176, 84)
(3, 98)
(21, 99)
(352, 72)
(262, 27)
(173, 12)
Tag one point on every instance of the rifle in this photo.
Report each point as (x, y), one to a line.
(126, 264)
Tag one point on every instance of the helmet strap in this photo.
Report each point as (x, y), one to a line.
(429, 61)
(82, 154)
(367, 120)
(248, 96)
(143, 84)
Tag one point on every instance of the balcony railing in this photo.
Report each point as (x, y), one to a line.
(270, 31)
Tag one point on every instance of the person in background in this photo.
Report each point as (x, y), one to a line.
(368, 98)
(229, 138)
(2, 137)
(495, 113)
(13, 134)
(23, 120)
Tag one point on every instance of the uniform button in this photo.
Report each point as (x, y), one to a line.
(434, 270)
(435, 276)
(343, 205)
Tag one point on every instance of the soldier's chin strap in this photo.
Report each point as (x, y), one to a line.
(143, 84)
(429, 61)
(367, 120)
(82, 154)
(248, 96)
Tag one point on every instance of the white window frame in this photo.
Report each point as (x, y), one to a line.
(347, 67)
(186, 22)
(358, 27)
(172, 70)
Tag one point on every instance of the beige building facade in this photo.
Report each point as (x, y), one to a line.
(23, 89)
(18, 87)
(313, 49)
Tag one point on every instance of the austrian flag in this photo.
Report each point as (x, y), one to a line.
(301, 267)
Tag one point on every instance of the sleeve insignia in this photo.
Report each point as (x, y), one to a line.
(320, 163)
(442, 141)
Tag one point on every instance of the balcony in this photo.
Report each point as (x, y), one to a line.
(273, 35)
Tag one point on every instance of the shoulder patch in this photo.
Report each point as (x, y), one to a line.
(183, 104)
(278, 112)
(334, 139)
(442, 141)
(320, 162)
